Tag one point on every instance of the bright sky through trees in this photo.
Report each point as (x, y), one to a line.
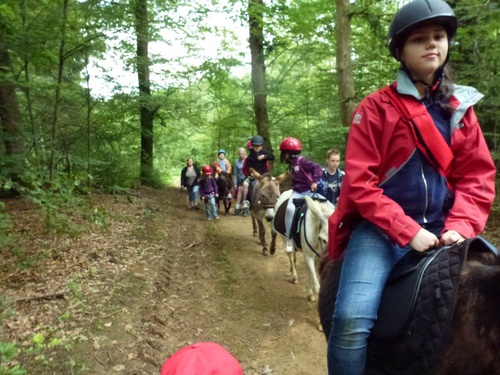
(224, 36)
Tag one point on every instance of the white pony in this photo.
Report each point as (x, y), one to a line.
(313, 238)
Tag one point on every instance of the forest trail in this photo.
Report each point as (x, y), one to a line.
(157, 278)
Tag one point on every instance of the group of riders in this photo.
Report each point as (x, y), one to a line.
(307, 177)
(419, 175)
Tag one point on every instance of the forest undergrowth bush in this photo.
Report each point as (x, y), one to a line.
(8, 350)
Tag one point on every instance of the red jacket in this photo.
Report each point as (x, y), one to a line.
(379, 144)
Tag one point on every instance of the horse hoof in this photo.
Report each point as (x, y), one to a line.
(265, 252)
(320, 327)
(272, 251)
(311, 299)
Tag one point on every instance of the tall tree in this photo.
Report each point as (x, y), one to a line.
(344, 61)
(10, 115)
(57, 100)
(147, 112)
(256, 41)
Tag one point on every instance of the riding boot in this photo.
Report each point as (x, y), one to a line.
(245, 205)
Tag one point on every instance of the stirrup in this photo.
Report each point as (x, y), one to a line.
(289, 247)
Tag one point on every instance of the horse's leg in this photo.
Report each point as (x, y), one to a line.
(262, 236)
(272, 250)
(312, 283)
(293, 266)
(254, 225)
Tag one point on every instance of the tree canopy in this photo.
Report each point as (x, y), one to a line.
(60, 131)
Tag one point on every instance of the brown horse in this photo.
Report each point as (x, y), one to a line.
(225, 186)
(265, 194)
(472, 342)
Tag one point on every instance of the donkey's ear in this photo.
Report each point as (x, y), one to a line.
(282, 177)
(314, 207)
(255, 174)
(321, 210)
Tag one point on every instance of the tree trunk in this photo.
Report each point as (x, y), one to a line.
(256, 41)
(344, 65)
(55, 116)
(27, 90)
(147, 113)
(10, 115)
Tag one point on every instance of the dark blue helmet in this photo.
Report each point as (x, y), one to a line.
(257, 140)
(418, 12)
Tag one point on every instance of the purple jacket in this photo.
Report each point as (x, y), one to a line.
(304, 173)
(208, 186)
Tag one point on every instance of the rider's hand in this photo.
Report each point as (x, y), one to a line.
(314, 186)
(450, 237)
(261, 157)
(424, 240)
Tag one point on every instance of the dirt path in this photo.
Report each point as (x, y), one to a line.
(170, 278)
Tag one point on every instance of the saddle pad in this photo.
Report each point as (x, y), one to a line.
(279, 225)
(417, 308)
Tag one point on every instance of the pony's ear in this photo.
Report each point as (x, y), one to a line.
(321, 210)
(255, 174)
(314, 207)
(282, 177)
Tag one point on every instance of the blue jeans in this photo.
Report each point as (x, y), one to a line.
(290, 209)
(193, 193)
(368, 260)
(210, 207)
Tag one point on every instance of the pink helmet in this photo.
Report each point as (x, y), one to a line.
(203, 358)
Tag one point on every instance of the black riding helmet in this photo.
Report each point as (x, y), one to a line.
(257, 140)
(418, 12)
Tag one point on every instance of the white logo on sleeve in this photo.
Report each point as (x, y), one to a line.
(357, 118)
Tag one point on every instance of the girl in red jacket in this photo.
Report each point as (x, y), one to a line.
(405, 191)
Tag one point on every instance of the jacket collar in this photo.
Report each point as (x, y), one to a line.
(463, 98)
(406, 86)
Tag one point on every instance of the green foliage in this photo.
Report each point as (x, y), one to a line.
(75, 289)
(99, 216)
(6, 240)
(200, 104)
(475, 57)
(8, 351)
(6, 309)
(57, 200)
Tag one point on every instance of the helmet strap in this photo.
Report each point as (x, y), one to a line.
(429, 87)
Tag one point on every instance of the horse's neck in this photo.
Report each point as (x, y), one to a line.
(255, 199)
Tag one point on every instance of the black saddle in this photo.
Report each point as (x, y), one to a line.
(298, 217)
(416, 309)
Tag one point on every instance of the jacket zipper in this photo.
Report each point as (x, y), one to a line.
(426, 193)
